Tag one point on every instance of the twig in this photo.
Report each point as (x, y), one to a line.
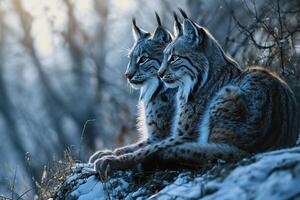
(279, 41)
(13, 184)
(24, 193)
(248, 32)
(82, 135)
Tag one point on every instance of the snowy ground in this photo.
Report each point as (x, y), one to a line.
(273, 175)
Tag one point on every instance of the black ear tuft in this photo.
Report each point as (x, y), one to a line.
(184, 15)
(177, 25)
(157, 19)
(137, 32)
(134, 23)
(176, 20)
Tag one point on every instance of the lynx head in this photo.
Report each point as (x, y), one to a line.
(145, 58)
(187, 58)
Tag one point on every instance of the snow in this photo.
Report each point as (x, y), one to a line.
(187, 190)
(273, 175)
(90, 188)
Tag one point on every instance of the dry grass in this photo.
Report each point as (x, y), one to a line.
(54, 175)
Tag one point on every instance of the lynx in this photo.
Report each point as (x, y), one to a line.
(222, 112)
(157, 103)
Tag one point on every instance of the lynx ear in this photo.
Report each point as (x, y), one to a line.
(162, 35)
(191, 31)
(177, 26)
(137, 32)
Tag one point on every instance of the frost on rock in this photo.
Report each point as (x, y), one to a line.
(272, 175)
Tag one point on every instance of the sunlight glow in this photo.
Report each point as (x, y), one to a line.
(49, 19)
(123, 4)
(49, 16)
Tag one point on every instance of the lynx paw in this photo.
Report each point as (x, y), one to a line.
(100, 154)
(107, 165)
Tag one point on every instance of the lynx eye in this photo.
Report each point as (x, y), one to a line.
(143, 59)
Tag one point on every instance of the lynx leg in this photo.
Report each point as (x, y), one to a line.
(120, 151)
(133, 147)
(126, 161)
(192, 153)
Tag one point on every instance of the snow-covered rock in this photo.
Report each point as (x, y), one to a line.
(272, 175)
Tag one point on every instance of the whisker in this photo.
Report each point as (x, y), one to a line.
(124, 51)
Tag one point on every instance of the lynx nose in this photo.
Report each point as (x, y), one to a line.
(161, 73)
(128, 75)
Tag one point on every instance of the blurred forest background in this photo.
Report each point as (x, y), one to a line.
(62, 64)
